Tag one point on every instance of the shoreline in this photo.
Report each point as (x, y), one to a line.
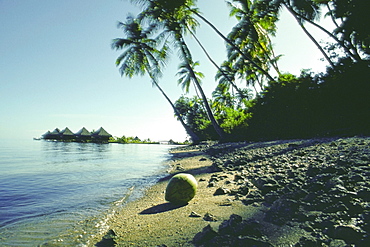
(266, 184)
(151, 221)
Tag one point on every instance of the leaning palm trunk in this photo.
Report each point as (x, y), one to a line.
(215, 64)
(250, 60)
(355, 56)
(310, 36)
(194, 137)
(211, 117)
(185, 53)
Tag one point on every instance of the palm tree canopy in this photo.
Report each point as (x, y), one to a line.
(140, 53)
(185, 75)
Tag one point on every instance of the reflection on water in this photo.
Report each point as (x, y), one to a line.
(55, 192)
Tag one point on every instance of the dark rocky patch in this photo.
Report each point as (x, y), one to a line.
(320, 185)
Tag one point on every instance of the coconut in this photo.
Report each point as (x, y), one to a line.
(181, 188)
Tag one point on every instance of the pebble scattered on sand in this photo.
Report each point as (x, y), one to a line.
(321, 186)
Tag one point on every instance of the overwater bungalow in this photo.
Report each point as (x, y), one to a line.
(101, 135)
(46, 135)
(83, 135)
(54, 135)
(66, 134)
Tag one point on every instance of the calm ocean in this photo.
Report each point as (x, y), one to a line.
(61, 194)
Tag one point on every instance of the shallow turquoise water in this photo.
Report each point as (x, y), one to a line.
(61, 194)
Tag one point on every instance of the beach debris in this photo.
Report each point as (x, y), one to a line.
(181, 188)
(221, 191)
(209, 217)
(227, 202)
(194, 214)
(179, 167)
(212, 184)
(204, 236)
(214, 179)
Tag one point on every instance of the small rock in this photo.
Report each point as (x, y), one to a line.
(194, 214)
(221, 191)
(281, 211)
(108, 239)
(348, 233)
(266, 188)
(202, 159)
(205, 235)
(212, 184)
(227, 202)
(229, 226)
(244, 190)
(229, 182)
(180, 168)
(209, 217)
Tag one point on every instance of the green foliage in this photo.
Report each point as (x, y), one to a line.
(335, 103)
(230, 117)
(194, 115)
(292, 107)
(353, 29)
(233, 118)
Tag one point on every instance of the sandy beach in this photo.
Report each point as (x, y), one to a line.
(280, 193)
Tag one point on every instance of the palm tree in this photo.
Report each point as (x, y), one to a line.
(347, 45)
(141, 56)
(252, 31)
(352, 29)
(222, 98)
(234, 46)
(226, 78)
(188, 75)
(309, 10)
(176, 18)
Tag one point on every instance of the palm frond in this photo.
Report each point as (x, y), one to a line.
(120, 43)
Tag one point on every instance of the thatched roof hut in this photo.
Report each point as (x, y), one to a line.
(46, 135)
(55, 134)
(83, 134)
(66, 134)
(101, 135)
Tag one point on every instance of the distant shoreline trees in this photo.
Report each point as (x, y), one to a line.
(137, 140)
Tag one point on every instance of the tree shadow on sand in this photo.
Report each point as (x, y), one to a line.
(160, 208)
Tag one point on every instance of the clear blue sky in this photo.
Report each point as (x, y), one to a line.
(57, 69)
